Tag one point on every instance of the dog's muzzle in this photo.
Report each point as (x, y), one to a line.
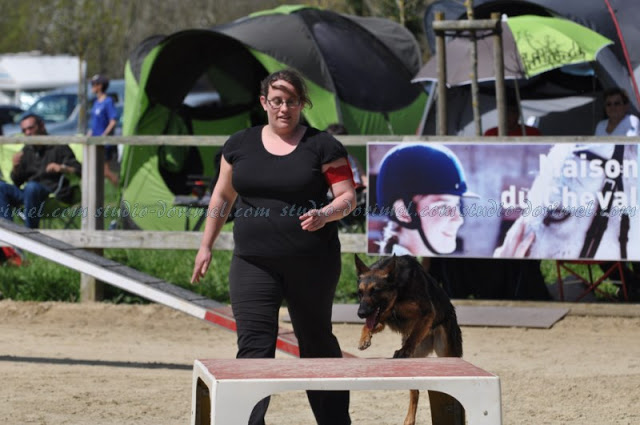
(371, 316)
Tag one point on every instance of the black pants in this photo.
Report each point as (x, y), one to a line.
(258, 285)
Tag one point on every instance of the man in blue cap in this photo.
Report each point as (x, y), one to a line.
(104, 117)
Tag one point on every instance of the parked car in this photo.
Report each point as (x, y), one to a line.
(8, 114)
(59, 108)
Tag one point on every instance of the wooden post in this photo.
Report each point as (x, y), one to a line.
(498, 63)
(92, 199)
(82, 97)
(475, 103)
(441, 55)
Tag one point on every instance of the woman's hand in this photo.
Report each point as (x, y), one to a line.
(516, 243)
(313, 220)
(203, 260)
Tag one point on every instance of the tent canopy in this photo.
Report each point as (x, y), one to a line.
(357, 70)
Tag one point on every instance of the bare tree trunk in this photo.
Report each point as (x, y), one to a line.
(402, 19)
(82, 96)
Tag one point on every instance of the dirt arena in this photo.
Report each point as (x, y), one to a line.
(122, 364)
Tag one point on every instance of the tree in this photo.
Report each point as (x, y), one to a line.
(104, 32)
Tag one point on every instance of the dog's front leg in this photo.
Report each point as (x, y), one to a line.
(419, 332)
(366, 333)
(414, 395)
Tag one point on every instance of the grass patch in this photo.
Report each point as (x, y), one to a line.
(39, 280)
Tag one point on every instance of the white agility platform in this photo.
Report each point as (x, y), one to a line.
(226, 390)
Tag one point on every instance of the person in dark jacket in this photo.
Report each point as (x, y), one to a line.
(36, 173)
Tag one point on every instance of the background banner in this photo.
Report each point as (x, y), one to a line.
(543, 201)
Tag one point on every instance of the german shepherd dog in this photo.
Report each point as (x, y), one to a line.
(398, 292)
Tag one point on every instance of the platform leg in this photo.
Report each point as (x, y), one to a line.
(203, 405)
(234, 402)
(445, 410)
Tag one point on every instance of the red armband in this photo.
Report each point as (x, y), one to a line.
(334, 175)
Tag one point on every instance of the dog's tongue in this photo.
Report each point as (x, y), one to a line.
(371, 320)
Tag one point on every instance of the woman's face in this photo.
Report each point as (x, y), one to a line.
(441, 219)
(615, 107)
(282, 105)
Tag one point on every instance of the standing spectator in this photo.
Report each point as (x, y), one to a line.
(104, 117)
(39, 168)
(286, 237)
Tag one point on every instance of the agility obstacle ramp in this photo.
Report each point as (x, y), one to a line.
(131, 280)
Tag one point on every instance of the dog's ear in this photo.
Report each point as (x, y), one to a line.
(390, 267)
(360, 266)
(405, 271)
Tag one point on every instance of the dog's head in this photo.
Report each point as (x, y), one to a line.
(377, 289)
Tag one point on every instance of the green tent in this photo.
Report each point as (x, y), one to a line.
(358, 71)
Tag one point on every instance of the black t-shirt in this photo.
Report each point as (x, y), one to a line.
(274, 190)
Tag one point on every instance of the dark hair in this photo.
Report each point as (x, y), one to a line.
(39, 122)
(337, 129)
(617, 91)
(102, 81)
(290, 76)
(36, 117)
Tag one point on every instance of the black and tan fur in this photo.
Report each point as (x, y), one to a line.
(398, 292)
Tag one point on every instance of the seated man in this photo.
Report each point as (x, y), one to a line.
(39, 168)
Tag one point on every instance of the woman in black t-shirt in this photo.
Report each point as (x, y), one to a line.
(285, 233)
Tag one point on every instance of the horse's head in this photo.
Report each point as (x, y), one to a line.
(568, 193)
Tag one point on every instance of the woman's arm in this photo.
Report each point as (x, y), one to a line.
(344, 201)
(222, 199)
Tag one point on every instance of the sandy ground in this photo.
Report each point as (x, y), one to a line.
(106, 364)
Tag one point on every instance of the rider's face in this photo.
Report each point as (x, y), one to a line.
(440, 220)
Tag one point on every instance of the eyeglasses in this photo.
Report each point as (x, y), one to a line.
(29, 128)
(616, 103)
(276, 103)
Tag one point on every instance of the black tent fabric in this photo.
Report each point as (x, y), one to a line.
(332, 65)
(188, 55)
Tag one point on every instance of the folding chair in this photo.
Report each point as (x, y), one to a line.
(588, 281)
(55, 209)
